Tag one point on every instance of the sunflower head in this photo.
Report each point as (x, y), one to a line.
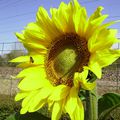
(63, 50)
(67, 55)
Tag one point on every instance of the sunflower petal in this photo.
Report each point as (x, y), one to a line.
(96, 14)
(41, 103)
(76, 5)
(88, 86)
(33, 81)
(20, 36)
(95, 68)
(106, 37)
(81, 80)
(57, 110)
(40, 99)
(79, 111)
(24, 110)
(21, 95)
(46, 24)
(71, 101)
(29, 72)
(105, 57)
(59, 92)
(36, 59)
(28, 99)
(83, 22)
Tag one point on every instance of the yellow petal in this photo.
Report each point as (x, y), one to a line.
(76, 19)
(81, 80)
(95, 68)
(50, 104)
(21, 95)
(71, 101)
(55, 19)
(20, 36)
(28, 64)
(104, 39)
(93, 26)
(34, 83)
(88, 85)
(34, 31)
(76, 5)
(41, 103)
(79, 111)
(35, 78)
(105, 57)
(34, 59)
(27, 100)
(82, 22)
(57, 110)
(36, 46)
(59, 92)
(108, 24)
(70, 22)
(24, 110)
(62, 16)
(29, 72)
(44, 21)
(99, 20)
(40, 99)
(96, 14)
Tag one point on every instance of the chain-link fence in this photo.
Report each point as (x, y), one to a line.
(9, 51)
(110, 81)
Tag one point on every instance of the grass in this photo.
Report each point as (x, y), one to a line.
(7, 106)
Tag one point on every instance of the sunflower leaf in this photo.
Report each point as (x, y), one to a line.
(107, 103)
(28, 116)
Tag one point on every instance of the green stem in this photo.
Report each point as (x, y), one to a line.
(91, 112)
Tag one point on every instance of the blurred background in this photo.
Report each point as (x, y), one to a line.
(14, 16)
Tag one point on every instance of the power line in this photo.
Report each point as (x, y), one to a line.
(90, 1)
(4, 2)
(11, 3)
(33, 13)
(17, 15)
(113, 16)
(9, 31)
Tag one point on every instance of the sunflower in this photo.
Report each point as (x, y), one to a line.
(62, 49)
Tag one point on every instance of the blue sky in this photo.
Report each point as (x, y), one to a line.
(15, 14)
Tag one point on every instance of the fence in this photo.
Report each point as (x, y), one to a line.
(110, 81)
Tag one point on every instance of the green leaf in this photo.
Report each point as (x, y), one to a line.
(28, 116)
(107, 103)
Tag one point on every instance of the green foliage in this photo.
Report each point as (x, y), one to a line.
(28, 116)
(107, 103)
(8, 106)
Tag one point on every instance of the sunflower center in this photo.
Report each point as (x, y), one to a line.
(68, 54)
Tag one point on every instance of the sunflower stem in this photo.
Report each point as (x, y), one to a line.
(91, 112)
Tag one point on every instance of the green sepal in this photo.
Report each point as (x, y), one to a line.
(91, 77)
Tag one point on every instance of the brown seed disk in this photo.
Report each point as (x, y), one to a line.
(77, 45)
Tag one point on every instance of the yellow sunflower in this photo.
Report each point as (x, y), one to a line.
(62, 49)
